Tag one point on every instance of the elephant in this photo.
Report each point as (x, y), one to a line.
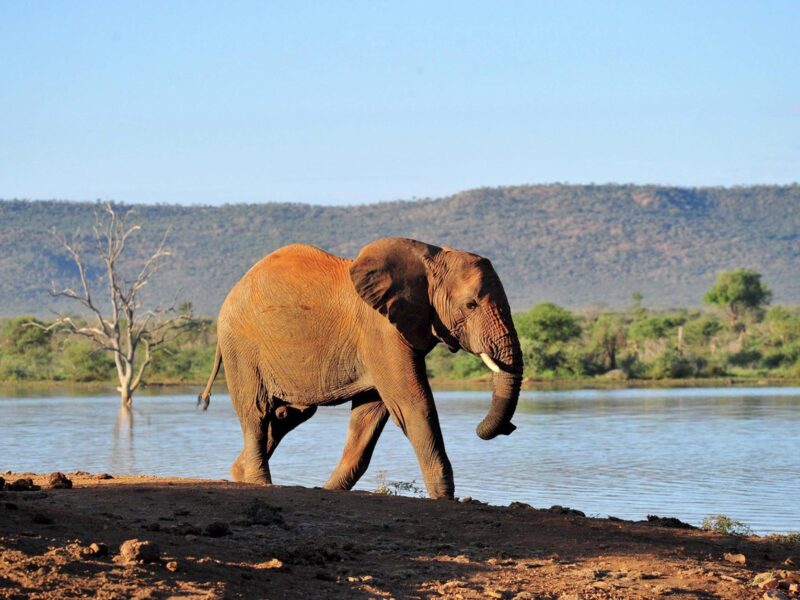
(304, 328)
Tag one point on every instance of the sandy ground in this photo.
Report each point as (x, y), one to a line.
(221, 539)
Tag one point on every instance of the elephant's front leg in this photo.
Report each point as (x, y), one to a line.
(367, 419)
(408, 397)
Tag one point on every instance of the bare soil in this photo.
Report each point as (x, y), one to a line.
(221, 539)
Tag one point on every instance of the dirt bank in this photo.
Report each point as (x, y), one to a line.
(220, 539)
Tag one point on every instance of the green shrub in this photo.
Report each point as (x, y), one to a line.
(725, 525)
(631, 365)
(81, 360)
(701, 330)
(748, 357)
(672, 364)
(21, 335)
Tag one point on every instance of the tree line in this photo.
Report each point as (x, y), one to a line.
(738, 334)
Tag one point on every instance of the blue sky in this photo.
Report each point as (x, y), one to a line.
(350, 102)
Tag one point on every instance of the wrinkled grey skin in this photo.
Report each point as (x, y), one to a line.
(304, 328)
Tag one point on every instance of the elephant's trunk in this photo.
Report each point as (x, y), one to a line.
(506, 383)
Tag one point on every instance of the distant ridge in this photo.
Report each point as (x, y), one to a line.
(580, 246)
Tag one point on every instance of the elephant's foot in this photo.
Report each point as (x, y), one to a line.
(338, 484)
(440, 489)
(240, 475)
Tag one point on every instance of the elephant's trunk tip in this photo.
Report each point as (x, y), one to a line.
(486, 432)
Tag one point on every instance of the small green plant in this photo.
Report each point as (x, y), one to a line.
(725, 525)
(397, 488)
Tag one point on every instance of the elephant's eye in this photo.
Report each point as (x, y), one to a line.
(471, 305)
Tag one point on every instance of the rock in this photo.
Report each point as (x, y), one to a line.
(133, 551)
(2, 483)
(524, 596)
(59, 481)
(601, 585)
(261, 513)
(172, 566)
(181, 512)
(11, 506)
(102, 476)
(520, 506)
(766, 581)
(789, 562)
(565, 510)
(775, 595)
(95, 549)
(217, 529)
(274, 564)
(41, 519)
(325, 576)
(738, 559)
(614, 375)
(668, 522)
(185, 529)
(23, 484)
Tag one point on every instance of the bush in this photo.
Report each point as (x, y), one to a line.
(744, 358)
(673, 364)
(81, 360)
(654, 328)
(701, 330)
(467, 366)
(632, 366)
(16, 368)
(21, 336)
(725, 525)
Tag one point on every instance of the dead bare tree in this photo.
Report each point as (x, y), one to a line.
(126, 327)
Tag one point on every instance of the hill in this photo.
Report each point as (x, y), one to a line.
(575, 245)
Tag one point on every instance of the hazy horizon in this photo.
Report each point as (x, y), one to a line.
(391, 200)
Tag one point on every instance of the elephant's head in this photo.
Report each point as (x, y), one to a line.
(433, 294)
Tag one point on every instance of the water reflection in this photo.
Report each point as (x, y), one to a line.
(686, 453)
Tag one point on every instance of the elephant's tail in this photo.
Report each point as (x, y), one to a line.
(205, 396)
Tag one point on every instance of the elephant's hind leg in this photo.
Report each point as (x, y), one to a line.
(277, 428)
(249, 398)
(367, 418)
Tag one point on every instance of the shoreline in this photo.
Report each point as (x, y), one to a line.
(221, 539)
(482, 384)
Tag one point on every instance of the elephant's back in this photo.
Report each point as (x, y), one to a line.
(293, 316)
(299, 260)
(291, 281)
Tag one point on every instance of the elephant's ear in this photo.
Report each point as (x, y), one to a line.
(391, 275)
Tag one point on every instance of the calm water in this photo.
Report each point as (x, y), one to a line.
(686, 453)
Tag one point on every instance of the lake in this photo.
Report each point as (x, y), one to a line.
(686, 453)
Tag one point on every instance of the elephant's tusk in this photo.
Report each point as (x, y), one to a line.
(489, 362)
